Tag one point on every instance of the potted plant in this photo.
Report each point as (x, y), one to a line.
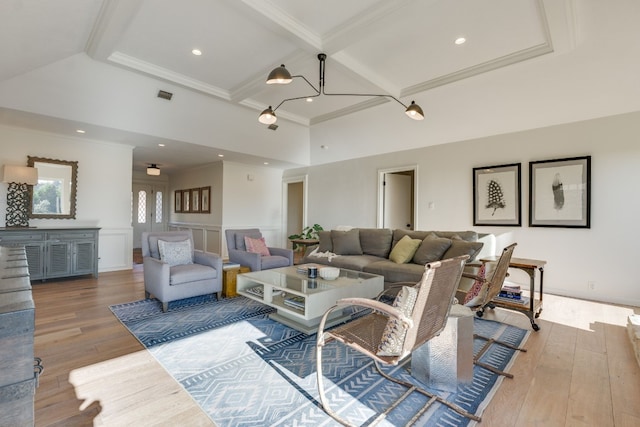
(307, 233)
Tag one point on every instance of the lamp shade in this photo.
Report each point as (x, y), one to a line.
(414, 111)
(268, 116)
(153, 170)
(20, 174)
(279, 75)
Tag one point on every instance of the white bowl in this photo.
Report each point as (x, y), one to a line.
(329, 273)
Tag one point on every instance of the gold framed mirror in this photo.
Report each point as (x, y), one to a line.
(54, 197)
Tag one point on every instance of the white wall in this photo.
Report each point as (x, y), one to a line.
(104, 186)
(345, 193)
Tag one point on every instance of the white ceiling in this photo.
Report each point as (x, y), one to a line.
(397, 47)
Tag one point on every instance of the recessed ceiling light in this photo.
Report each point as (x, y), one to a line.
(309, 99)
(460, 40)
(196, 52)
(80, 131)
(266, 163)
(220, 155)
(160, 145)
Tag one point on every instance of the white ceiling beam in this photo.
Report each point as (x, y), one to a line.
(113, 20)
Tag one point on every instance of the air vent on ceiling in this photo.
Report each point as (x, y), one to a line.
(273, 126)
(165, 95)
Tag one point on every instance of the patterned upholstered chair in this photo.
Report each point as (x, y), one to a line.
(173, 270)
(274, 258)
(389, 334)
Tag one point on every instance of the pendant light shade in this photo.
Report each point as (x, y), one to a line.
(414, 111)
(153, 170)
(279, 75)
(268, 117)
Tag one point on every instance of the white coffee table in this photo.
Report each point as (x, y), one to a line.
(279, 286)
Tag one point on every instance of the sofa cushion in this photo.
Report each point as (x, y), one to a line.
(462, 247)
(240, 244)
(431, 249)
(404, 250)
(395, 331)
(176, 253)
(394, 273)
(273, 261)
(346, 242)
(256, 246)
(187, 273)
(376, 241)
(469, 236)
(325, 241)
(400, 233)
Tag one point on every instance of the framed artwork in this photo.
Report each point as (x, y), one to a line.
(186, 199)
(496, 195)
(560, 193)
(205, 200)
(178, 201)
(195, 200)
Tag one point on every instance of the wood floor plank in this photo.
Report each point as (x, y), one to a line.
(98, 374)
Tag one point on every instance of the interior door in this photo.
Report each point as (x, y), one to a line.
(398, 201)
(148, 210)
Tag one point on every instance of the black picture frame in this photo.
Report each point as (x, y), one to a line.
(205, 200)
(560, 193)
(497, 195)
(178, 201)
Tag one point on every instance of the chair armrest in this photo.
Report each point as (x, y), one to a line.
(378, 306)
(208, 259)
(287, 253)
(156, 274)
(249, 259)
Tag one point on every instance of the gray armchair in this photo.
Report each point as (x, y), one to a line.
(168, 282)
(279, 257)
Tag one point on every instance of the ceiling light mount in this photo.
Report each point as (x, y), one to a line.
(153, 170)
(281, 75)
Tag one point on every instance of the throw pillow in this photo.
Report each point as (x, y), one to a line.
(431, 249)
(175, 253)
(324, 237)
(240, 245)
(462, 247)
(404, 250)
(474, 295)
(346, 242)
(256, 246)
(395, 331)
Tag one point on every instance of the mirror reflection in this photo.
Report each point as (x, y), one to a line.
(55, 194)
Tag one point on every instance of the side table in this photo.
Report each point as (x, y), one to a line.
(229, 280)
(304, 244)
(534, 307)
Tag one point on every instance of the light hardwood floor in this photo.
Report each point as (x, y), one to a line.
(579, 369)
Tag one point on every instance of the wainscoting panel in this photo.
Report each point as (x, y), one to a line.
(115, 250)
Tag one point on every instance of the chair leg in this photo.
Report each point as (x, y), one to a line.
(147, 295)
(410, 389)
(165, 307)
(432, 398)
(489, 341)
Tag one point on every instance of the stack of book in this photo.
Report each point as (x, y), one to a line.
(295, 301)
(510, 290)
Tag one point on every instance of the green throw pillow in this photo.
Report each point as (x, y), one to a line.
(404, 250)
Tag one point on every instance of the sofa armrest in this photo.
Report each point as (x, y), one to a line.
(248, 259)
(208, 259)
(287, 253)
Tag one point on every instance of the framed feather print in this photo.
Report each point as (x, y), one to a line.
(496, 195)
(560, 193)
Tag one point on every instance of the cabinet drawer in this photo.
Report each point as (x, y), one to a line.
(21, 237)
(71, 236)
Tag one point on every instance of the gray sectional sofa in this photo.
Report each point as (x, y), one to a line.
(369, 250)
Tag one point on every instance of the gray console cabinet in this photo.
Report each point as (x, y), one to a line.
(56, 252)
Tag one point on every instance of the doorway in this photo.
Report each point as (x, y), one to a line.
(295, 207)
(397, 198)
(148, 210)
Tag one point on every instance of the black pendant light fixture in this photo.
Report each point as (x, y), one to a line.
(281, 75)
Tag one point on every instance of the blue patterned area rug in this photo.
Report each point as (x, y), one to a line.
(244, 369)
